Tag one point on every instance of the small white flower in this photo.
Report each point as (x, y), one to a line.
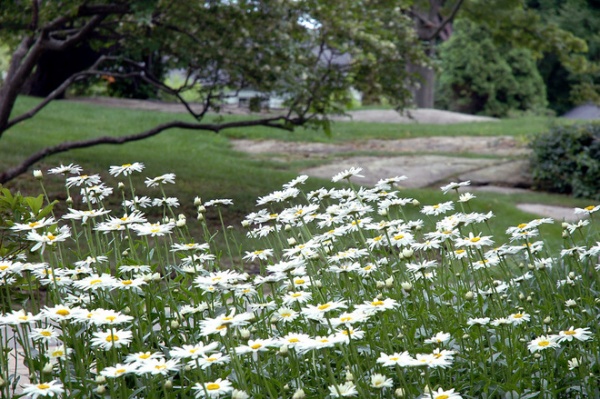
(347, 174)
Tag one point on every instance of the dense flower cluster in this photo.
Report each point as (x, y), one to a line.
(356, 295)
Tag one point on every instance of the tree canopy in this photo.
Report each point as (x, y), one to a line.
(311, 52)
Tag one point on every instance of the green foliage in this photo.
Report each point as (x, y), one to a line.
(566, 159)
(15, 208)
(481, 77)
(568, 86)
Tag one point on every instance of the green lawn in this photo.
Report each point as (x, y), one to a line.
(206, 166)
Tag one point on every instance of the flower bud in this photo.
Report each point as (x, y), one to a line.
(245, 223)
(38, 174)
(469, 295)
(416, 202)
(101, 389)
(406, 286)
(201, 209)
(548, 320)
(571, 275)
(237, 394)
(380, 284)
(174, 324)
(349, 376)
(244, 333)
(100, 379)
(121, 186)
(291, 241)
(389, 282)
(47, 368)
(200, 217)
(399, 393)
(299, 394)
(197, 201)
(407, 253)
(284, 350)
(180, 223)
(168, 384)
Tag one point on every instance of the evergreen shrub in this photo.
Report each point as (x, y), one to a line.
(566, 159)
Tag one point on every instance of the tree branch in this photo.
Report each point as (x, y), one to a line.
(279, 122)
(446, 20)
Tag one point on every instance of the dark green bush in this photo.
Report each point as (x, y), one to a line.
(479, 76)
(566, 159)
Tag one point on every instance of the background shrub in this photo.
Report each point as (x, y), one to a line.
(480, 76)
(566, 159)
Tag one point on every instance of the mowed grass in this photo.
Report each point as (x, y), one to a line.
(207, 167)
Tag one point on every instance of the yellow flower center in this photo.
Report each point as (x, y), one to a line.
(570, 332)
(34, 224)
(45, 333)
(544, 343)
(96, 281)
(286, 314)
(324, 306)
(475, 239)
(211, 359)
(63, 312)
(459, 251)
(293, 340)
(57, 353)
(3, 267)
(255, 346)
(126, 282)
(51, 237)
(517, 316)
(43, 386)
(296, 295)
(398, 236)
(589, 208)
(436, 206)
(377, 303)
(120, 371)
(345, 319)
(258, 252)
(126, 165)
(145, 356)
(522, 225)
(112, 338)
(444, 396)
(299, 281)
(378, 238)
(212, 386)
(394, 358)
(111, 318)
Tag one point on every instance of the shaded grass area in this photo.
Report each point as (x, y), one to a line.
(207, 167)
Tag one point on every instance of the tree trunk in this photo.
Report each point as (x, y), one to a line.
(424, 94)
(54, 67)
